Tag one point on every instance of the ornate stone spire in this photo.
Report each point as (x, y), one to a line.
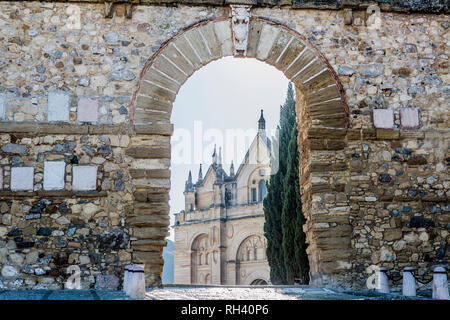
(232, 169)
(262, 126)
(219, 159)
(214, 156)
(189, 186)
(262, 121)
(200, 173)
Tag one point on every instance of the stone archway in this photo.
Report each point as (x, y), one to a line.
(259, 282)
(323, 120)
(251, 260)
(200, 265)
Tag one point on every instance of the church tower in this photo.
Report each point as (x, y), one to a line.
(189, 195)
(262, 126)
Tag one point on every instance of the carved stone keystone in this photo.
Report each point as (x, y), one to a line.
(240, 19)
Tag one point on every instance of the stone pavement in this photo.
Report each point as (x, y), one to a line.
(271, 293)
(211, 293)
(62, 295)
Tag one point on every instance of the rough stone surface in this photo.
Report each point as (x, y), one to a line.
(400, 64)
(107, 282)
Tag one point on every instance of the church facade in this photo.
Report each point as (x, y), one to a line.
(219, 237)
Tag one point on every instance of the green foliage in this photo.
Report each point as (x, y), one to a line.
(292, 219)
(282, 205)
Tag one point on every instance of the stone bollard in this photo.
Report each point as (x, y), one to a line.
(126, 277)
(440, 284)
(383, 282)
(409, 282)
(136, 282)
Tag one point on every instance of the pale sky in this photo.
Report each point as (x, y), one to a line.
(225, 94)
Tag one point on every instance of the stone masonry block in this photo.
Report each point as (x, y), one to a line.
(383, 118)
(266, 40)
(87, 110)
(58, 106)
(54, 175)
(84, 178)
(1, 178)
(223, 33)
(409, 118)
(22, 178)
(2, 105)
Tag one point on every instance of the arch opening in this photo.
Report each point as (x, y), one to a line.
(321, 108)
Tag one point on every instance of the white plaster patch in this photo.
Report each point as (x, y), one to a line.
(2, 105)
(58, 106)
(84, 178)
(87, 110)
(22, 178)
(383, 118)
(54, 175)
(409, 118)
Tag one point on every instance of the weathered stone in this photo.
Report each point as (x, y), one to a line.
(112, 38)
(417, 160)
(44, 232)
(9, 272)
(419, 222)
(384, 177)
(107, 282)
(371, 70)
(153, 152)
(12, 148)
(392, 234)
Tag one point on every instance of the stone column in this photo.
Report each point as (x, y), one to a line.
(149, 219)
(322, 168)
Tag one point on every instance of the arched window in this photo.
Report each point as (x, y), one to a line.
(262, 189)
(254, 199)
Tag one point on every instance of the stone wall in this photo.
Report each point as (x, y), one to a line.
(433, 6)
(377, 183)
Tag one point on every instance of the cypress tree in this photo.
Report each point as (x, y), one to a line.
(273, 202)
(292, 219)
